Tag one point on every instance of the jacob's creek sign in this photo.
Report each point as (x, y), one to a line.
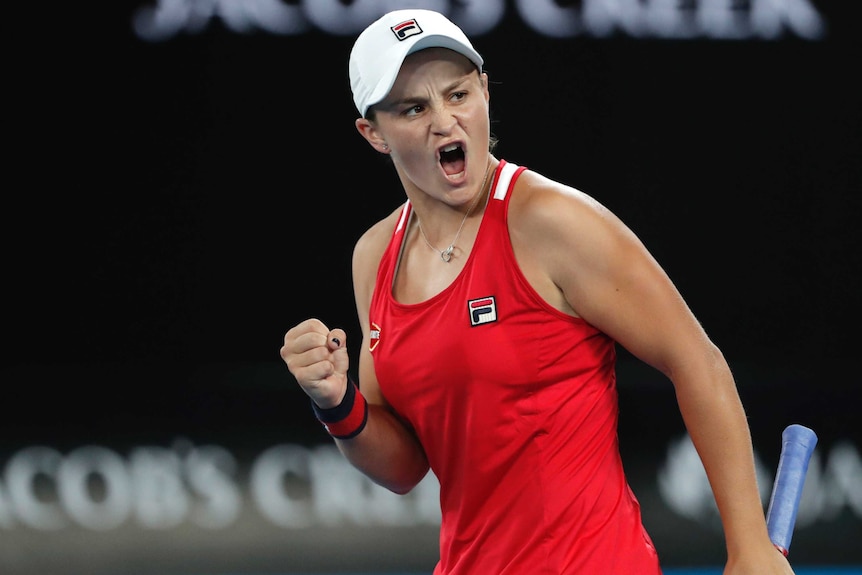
(644, 19)
(292, 486)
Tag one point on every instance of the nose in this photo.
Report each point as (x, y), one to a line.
(442, 120)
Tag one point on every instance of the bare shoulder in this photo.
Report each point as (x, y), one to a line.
(367, 253)
(560, 237)
(372, 243)
(549, 211)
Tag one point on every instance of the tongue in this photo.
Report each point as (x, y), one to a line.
(452, 167)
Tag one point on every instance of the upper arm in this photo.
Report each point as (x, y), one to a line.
(606, 275)
(366, 257)
(387, 450)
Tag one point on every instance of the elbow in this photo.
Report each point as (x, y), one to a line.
(402, 489)
(405, 482)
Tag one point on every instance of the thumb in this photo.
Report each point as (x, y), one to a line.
(338, 345)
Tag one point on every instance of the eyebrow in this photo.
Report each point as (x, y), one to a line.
(414, 100)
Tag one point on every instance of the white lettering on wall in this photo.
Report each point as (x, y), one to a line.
(294, 487)
(158, 488)
(94, 487)
(662, 19)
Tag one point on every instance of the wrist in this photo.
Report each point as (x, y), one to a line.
(348, 418)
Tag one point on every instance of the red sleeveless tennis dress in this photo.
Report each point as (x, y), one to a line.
(516, 406)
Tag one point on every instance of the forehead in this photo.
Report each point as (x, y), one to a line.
(433, 55)
(431, 64)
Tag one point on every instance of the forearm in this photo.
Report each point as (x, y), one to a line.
(386, 451)
(374, 440)
(717, 424)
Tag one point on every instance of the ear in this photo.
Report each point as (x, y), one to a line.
(485, 87)
(369, 131)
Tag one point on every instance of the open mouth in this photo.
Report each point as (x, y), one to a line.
(452, 159)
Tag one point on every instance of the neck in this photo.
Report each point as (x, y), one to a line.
(447, 252)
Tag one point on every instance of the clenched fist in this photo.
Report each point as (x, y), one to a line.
(317, 358)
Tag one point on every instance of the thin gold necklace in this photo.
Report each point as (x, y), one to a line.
(446, 255)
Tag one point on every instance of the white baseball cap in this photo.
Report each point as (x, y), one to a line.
(380, 49)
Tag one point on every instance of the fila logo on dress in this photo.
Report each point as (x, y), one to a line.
(482, 310)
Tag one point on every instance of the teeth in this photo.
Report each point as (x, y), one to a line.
(450, 148)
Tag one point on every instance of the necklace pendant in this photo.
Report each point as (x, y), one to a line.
(446, 254)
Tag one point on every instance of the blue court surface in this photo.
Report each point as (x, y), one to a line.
(798, 570)
(849, 570)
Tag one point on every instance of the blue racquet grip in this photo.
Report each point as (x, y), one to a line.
(797, 446)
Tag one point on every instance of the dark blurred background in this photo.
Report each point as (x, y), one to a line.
(186, 183)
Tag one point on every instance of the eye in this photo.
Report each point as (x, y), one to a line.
(458, 96)
(413, 110)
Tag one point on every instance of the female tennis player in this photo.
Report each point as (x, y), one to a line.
(491, 301)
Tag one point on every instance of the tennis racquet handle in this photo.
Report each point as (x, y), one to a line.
(796, 448)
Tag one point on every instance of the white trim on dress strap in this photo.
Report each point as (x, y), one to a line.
(505, 179)
(403, 217)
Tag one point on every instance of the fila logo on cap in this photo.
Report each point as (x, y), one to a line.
(406, 29)
(482, 310)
